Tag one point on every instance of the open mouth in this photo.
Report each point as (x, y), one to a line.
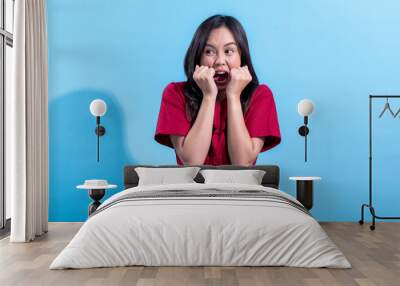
(221, 77)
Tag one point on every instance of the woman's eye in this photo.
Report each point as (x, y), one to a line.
(209, 52)
(229, 52)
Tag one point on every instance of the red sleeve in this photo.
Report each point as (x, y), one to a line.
(172, 117)
(261, 118)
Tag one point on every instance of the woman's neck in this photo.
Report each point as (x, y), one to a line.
(221, 95)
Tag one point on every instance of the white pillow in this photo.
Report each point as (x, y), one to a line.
(249, 177)
(162, 176)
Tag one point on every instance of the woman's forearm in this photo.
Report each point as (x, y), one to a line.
(240, 145)
(197, 142)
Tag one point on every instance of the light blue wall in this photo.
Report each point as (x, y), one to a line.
(335, 53)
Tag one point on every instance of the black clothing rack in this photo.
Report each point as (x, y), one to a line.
(370, 205)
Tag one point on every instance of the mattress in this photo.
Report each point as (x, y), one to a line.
(201, 225)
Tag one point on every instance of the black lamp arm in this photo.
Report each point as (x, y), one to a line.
(100, 131)
(303, 131)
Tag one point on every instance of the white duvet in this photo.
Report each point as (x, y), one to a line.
(200, 231)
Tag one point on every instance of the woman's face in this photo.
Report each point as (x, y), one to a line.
(221, 53)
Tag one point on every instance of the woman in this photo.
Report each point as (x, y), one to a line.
(220, 115)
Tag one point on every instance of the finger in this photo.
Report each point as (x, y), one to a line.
(196, 71)
(211, 72)
(244, 68)
(248, 71)
(201, 68)
(234, 71)
(203, 72)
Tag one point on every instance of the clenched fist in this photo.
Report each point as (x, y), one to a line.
(204, 78)
(239, 79)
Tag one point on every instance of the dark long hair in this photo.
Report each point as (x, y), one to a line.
(192, 92)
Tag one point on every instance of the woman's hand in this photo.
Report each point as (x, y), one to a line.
(240, 78)
(204, 77)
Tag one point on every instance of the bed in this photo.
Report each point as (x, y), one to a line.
(201, 224)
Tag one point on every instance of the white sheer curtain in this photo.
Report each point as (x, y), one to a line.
(27, 124)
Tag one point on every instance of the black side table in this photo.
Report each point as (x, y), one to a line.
(96, 195)
(304, 190)
(96, 190)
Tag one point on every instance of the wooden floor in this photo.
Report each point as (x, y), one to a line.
(374, 255)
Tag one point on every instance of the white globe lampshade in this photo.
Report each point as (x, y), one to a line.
(305, 107)
(98, 107)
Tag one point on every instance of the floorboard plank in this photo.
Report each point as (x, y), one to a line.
(374, 255)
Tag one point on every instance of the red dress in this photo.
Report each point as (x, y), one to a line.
(260, 118)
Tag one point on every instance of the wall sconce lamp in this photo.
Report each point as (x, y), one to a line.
(98, 108)
(305, 108)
